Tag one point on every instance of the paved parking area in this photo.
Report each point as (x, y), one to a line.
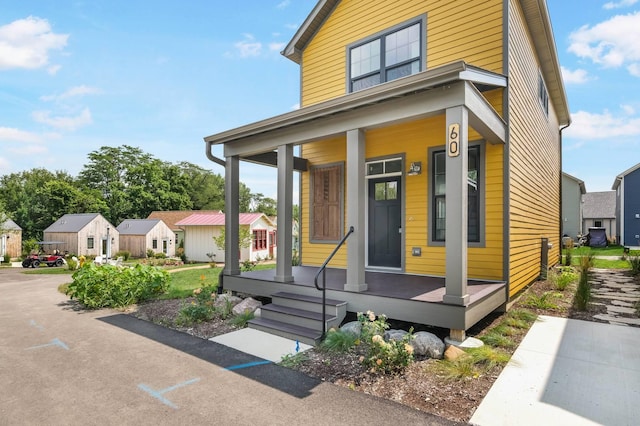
(63, 366)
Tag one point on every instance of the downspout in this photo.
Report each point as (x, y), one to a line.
(210, 155)
(560, 184)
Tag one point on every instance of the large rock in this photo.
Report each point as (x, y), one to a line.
(353, 327)
(249, 304)
(394, 335)
(427, 344)
(222, 299)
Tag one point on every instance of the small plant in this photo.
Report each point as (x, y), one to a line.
(72, 264)
(562, 278)
(634, 261)
(150, 253)
(568, 253)
(226, 309)
(494, 338)
(544, 301)
(242, 319)
(125, 255)
(160, 255)
(523, 315)
(339, 341)
(463, 367)
(488, 357)
(293, 361)
(383, 356)
(247, 265)
(193, 313)
(583, 292)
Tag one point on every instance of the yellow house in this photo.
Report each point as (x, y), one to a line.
(429, 140)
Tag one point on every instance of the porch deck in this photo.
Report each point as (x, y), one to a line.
(412, 298)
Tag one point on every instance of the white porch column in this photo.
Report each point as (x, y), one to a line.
(285, 217)
(356, 199)
(232, 216)
(456, 206)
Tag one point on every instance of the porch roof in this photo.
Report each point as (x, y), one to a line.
(426, 93)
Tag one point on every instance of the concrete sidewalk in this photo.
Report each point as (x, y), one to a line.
(568, 372)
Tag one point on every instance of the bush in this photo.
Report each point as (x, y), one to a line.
(160, 255)
(339, 341)
(123, 254)
(202, 309)
(383, 356)
(561, 279)
(150, 253)
(72, 264)
(112, 286)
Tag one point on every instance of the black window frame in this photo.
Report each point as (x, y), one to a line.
(384, 70)
(475, 200)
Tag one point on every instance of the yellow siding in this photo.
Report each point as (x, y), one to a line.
(413, 140)
(458, 29)
(534, 162)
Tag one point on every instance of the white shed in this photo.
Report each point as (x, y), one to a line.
(200, 229)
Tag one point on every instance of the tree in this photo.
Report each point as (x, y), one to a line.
(205, 188)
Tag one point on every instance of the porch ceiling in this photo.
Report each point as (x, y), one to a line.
(424, 94)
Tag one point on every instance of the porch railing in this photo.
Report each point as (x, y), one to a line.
(322, 271)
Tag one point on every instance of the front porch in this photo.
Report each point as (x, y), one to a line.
(413, 298)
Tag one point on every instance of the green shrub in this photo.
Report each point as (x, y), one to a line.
(562, 278)
(243, 319)
(634, 261)
(124, 254)
(339, 341)
(193, 313)
(150, 253)
(544, 301)
(160, 255)
(72, 264)
(112, 286)
(583, 292)
(494, 338)
(383, 356)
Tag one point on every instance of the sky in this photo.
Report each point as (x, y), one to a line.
(76, 75)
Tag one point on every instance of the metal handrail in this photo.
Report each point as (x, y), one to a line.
(324, 285)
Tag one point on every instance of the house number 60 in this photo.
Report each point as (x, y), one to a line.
(454, 140)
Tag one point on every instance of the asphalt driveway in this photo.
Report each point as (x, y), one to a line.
(59, 365)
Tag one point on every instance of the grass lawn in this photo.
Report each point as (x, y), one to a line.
(46, 270)
(184, 282)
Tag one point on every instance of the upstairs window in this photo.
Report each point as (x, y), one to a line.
(543, 95)
(387, 56)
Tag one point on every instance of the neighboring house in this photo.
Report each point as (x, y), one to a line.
(573, 189)
(139, 235)
(88, 234)
(171, 217)
(200, 229)
(627, 187)
(599, 211)
(431, 128)
(10, 239)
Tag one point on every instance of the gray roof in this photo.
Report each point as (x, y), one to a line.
(599, 205)
(137, 226)
(10, 225)
(72, 222)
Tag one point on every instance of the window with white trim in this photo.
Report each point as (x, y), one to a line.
(387, 56)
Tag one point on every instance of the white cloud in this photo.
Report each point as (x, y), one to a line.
(276, 47)
(587, 125)
(4, 164)
(628, 109)
(634, 69)
(620, 4)
(73, 92)
(29, 149)
(26, 43)
(53, 69)
(17, 135)
(292, 26)
(64, 123)
(283, 4)
(248, 47)
(578, 76)
(612, 43)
